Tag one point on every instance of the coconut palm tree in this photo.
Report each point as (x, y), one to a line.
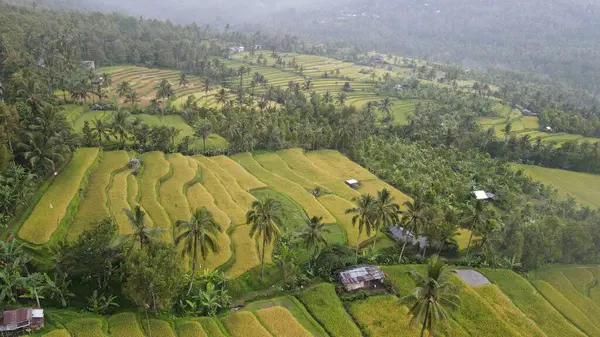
(120, 126)
(101, 129)
(42, 152)
(365, 215)
(221, 96)
(327, 97)
(413, 220)
(341, 98)
(385, 106)
(474, 218)
(141, 232)
(313, 235)
(263, 218)
(173, 133)
(183, 81)
(164, 91)
(206, 87)
(132, 98)
(198, 234)
(202, 130)
(387, 211)
(123, 89)
(432, 295)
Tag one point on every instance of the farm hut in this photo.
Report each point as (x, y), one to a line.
(361, 277)
(549, 129)
(353, 183)
(483, 195)
(528, 112)
(89, 65)
(22, 319)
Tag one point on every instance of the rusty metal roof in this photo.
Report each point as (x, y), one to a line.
(361, 274)
(16, 316)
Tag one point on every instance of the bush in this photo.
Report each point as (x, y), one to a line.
(333, 258)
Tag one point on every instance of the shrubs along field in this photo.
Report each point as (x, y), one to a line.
(52, 207)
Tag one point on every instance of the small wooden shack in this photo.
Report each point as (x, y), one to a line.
(22, 319)
(361, 277)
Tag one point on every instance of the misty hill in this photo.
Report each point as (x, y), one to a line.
(557, 38)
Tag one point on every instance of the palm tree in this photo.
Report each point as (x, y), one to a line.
(40, 151)
(365, 215)
(164, 91)
(507, 130)
(173, 133)
(327, 97)
(123, 89)
(341, 98)
(120, 126)
(312, 235)
(31, 93)
(263, 219)
(206, 87)
(413, 220)
(307, 85)
(387, 211)
(132, 98)
(474, 217)
(203, 129)
(141, 232)
(183, 81)
(101, 129)
(431, 296)
(199, 234)
(385, 105)
(221, 96)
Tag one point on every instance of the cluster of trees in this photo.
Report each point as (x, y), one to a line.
(442, 181)
(585, 122)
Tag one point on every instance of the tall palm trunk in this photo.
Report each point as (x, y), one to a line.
(357, 245)
(262, 267)
(402, 251)
(195, 258)
(469, 244)
(425, 321)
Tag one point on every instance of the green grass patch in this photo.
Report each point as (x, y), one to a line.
(582, 186)
(326, 307)
(45, 218)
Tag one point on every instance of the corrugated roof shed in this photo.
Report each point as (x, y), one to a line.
(361, 274)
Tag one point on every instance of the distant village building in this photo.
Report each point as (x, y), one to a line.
(353, 183)
(549, 129)
(483, 195)
(89, 65)
(378, 58)
(258, 47)
(21, 320)
(361, 277)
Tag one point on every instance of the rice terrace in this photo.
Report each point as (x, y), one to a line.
(230, 179)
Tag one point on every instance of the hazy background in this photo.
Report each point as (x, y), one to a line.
(558, 38)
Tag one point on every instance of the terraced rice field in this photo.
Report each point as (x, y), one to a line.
(527, 125)
(314, 67)
(124, 325)
(581, 186)
(244, 323)
(170, 187)
(50, 210)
